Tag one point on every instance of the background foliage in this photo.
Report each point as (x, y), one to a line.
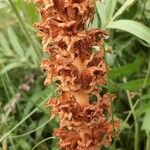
(24, 119)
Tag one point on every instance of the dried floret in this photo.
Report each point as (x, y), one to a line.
(85, 124)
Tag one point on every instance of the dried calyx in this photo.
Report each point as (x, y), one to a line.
(85, 124)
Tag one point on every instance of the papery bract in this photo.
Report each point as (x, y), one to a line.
(84, 125)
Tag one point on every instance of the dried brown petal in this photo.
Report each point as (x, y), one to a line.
(84, 125)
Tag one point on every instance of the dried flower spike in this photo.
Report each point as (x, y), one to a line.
(85, 114)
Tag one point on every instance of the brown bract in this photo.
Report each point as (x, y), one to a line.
(85, 123)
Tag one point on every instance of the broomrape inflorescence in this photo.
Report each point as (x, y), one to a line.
(84, 124)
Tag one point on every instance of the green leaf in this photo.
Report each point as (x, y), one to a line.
(143, 109)
(133, 27)
(147, 96)
(15, 42)
(134, 84)
(110, 59)
(10, 67)
(146, 119)
(105, 10)
(25, 144)
(7, 18)
(146, 122)
(38, 94)
(5, 45)
(127, 69)
(122, 9)
(95, 23)
(41, 123)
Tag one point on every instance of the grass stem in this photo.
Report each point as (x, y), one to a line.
(136, 134)
(24, 119)
(148, 143)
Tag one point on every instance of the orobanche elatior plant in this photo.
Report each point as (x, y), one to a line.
(84, 110)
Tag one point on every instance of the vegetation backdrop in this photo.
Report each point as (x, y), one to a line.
(24, 119)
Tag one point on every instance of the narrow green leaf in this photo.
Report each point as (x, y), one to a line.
(122, 9)
(38, 94)
(111, 8)
(26, 117)
(134, 84)
(10, 67)
(15, 42)
(5, 45)
(101, 9)
(147, 96)
(7, 17)
(127, 69)
(146, 122)
(105, 10)
(133, 27)
(145, 109)
(95, 23)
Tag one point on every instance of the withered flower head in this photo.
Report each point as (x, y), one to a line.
(84, 125)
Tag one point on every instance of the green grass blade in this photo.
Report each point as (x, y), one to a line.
(44, 140)
(25, 118)
(133, 27)
(5, 45)
(25, 29)
(26, 134)
(127, 69)
(105, 10)
(122, 9)
(15, 42)
(10, 66)
(134, 84)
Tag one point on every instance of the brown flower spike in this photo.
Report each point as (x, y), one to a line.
(84, 113)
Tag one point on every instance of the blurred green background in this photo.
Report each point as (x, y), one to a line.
(24, 119)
